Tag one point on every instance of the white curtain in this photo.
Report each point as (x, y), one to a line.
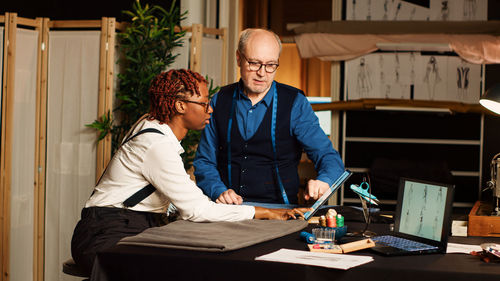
(211, 59)
(73, 78)
(23, 156)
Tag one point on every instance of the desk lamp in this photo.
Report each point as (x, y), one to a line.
(491, 101)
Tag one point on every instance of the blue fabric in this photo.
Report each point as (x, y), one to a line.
(253, 164)
(304, 127)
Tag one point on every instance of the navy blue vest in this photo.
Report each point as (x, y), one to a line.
(252, 162)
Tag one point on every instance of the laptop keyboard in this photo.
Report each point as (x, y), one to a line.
(402, 243)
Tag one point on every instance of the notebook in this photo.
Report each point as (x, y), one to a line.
(324, 198)
(422, 220)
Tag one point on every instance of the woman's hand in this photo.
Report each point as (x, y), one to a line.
(280, 214)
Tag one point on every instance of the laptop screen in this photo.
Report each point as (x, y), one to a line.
(424, 209)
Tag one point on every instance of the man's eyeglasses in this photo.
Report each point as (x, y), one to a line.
(204, 104)
(256, 66)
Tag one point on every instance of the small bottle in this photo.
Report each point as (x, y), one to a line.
(340, 220)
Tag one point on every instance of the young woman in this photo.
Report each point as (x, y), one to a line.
(147, 173)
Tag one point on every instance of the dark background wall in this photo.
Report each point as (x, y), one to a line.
(74, 10)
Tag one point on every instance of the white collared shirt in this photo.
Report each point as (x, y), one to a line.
(155, 158)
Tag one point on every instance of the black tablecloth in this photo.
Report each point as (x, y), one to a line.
(145, 263)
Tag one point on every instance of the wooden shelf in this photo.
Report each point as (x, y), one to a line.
(370, 104)
(400, 27)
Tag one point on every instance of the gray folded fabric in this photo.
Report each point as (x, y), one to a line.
(213, 236)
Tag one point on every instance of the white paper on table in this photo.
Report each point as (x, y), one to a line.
(462, 248)
(339, 261)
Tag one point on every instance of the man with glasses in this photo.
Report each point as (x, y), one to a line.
(251, 149)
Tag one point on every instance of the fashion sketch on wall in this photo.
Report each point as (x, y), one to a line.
(437, 10)
(458, 10)
(385, 10)
(463, 80)
(445, 10)
(401, 75)
(360, 79)
(409, 75)
(381, 75)
(470, 9)
(464, 83)
(432, 77)
(364, 83)
(447, 78)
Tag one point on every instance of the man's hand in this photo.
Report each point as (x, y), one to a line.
(315, 189)
(229, 197)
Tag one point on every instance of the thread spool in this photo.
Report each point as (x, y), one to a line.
(307, 237)
(322, 221)
(340, 220)
(331, 221)
(331, 212)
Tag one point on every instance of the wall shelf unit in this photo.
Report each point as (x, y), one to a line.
(409, 105)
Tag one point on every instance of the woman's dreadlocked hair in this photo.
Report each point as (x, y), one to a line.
(166, 87)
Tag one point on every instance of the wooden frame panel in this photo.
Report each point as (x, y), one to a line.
(105, 101)
(6, 147)
(195, 49)
(11, 24)
(224, 56)
(109, 75)
(40, 157)
(2, 148)
(75, 24)
(101, 100)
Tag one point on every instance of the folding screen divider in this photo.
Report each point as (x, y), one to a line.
(31, 139)
(80, 88)
(56, 77)
(22, 162)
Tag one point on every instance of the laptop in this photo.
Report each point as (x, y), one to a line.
(422, 220)
(324, 198)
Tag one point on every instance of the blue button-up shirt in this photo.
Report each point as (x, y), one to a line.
(304, 125)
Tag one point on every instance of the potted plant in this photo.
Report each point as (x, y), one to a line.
(146, 47)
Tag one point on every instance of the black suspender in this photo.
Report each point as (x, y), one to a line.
(140, 195)
(148, 189)
(148, 130)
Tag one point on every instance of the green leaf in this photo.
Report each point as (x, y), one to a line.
(103, 125)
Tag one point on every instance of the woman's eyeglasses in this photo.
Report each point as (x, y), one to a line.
(205, 104)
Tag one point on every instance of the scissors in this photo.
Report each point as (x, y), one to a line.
(362, 191)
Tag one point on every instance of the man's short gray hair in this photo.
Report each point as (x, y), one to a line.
(245, 35)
